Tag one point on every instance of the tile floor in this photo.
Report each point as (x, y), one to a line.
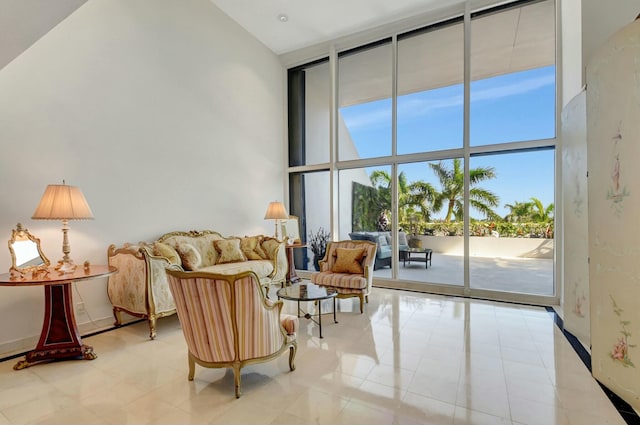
(409, 359)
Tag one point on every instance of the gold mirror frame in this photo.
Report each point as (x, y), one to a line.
(36, 261)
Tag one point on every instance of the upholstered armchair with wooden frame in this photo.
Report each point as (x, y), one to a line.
(228, 322)
(347, 266)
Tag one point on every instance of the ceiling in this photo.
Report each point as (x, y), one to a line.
(312, 22)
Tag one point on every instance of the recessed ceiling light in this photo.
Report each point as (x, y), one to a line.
(283, 18)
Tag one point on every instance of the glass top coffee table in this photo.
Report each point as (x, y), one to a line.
(307, 291)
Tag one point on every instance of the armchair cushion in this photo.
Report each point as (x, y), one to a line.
(340, 281)
(348, 260)
(229, 251)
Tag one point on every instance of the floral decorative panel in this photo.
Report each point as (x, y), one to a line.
(575, 201)
(613, 134)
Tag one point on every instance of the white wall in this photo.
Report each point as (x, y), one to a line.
(167, 114)
(23, 22)
(571, 45)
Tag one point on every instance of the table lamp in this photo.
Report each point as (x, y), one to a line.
(62, 202)
(276, 211)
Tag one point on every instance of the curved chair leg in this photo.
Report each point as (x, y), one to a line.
(361, 303)
(116, 315)
(152, 327)
(292, 356)
(236, 379)
(192, 367)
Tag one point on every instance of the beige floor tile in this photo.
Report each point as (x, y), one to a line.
(465, 416)
(317, 406)
(533, 413)
(427, 410)
(484, 396)
(355, 413)
(71, 416)
(439, 386)
(390, 375)
(409, 359)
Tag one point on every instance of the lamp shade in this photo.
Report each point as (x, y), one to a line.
(62, 202)
(276, 211)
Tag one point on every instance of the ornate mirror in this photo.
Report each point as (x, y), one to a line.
(26, 254)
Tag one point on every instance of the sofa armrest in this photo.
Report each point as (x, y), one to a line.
(280, 264)
(127, 288)
(368, 274)
(140, 287)
(163, 301)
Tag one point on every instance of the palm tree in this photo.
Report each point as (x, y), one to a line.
(520, 211)
(532, 210)
(413, 198)
(452, 193)
(540, 213)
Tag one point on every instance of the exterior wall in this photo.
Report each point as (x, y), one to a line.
(491, 247)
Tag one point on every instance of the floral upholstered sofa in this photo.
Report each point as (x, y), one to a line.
(140, 288)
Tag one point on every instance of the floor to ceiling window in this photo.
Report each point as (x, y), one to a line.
(364, 102)
(443, 151)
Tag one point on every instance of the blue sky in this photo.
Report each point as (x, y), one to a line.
(512, 107)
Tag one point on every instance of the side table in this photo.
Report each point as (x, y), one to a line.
(59, 338)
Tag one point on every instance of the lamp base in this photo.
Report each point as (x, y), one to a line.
(66, 266)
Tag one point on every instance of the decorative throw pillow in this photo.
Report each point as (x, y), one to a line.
(191, 259)
(248, 246)
(229, 251)
(270, 246)
(161, 249)
(348, 260)
(261, 252)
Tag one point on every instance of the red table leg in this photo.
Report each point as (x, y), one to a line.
(59, 338)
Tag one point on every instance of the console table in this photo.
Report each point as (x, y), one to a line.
(59, 338)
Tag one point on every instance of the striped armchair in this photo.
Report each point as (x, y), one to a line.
(228, 322)
(348, 283)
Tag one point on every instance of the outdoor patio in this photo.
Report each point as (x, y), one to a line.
(523, 275)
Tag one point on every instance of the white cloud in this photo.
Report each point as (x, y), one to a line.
(416, 106)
